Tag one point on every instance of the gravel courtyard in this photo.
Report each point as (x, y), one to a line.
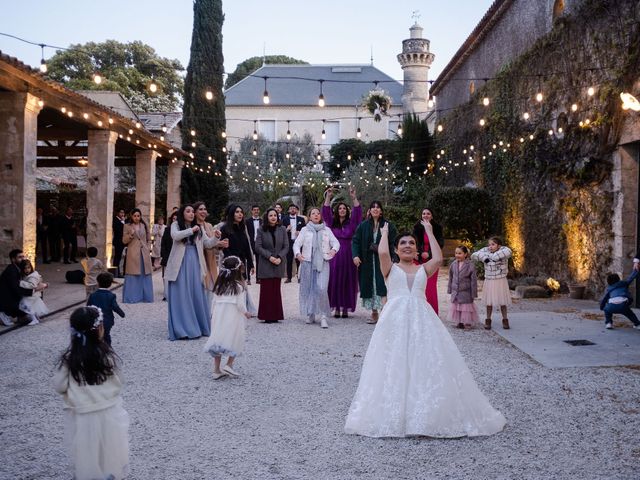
(284, 417)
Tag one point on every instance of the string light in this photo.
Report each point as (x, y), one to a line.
(288, 131)
(223, 134)
(359, 131)
(321, 102)
(399, 129)
(208, 95)
(591, 91)
(324, 133)
(193, 132)
(485, 101)
(482, 122)
(539, 97)
(97, 78)
(43, 64)
(255, 131)
(153, 86)
(265, 95)
(574, 107)
(526, 115)
(439, 128)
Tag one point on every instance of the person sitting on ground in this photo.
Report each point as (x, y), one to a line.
(105, 300)
(617, 299)
(11, 292)
(32, 305)
(92, 268)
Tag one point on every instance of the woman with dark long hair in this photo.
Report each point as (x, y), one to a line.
(364, 249)
(343, 276)
(272, 245)
(235, 230)
(189, 306)
(424, 252)
(210, 254)
(138, 284)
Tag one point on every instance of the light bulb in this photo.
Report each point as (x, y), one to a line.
(485, 101)
(164, 129)
(110, 121)
(265, 98)
(321, 102)
(358, 133)
(153, 88)
(97, 78)
(255, 135)
(288, 134)
(526, 115)
(208, 95)
(439, 128)
(40, 103)
(324, 134)
(193, 132)
(138, 124)
(591, 91)
(399, 129)
(223, 134)
(539, 97)
(43, 66)
(430, 103)
(99, 123)
(574, 107)
(482, 122)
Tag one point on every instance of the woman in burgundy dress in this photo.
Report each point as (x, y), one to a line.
(343, 276)
(424, 253)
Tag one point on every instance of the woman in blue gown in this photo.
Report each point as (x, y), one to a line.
(189, 309)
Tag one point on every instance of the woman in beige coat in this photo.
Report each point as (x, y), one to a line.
(138, 286)
(210, 254)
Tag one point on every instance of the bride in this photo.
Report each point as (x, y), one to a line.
(414, 380)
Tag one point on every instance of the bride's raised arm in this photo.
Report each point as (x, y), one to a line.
(436, 253)
(383, 250)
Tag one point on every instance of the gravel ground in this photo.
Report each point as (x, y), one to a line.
(284, 417)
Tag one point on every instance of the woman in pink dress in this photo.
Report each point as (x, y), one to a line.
(424, 253)
(343, 276)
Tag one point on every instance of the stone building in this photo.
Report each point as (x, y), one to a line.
(571, 169)
(44, 124)
(416, 59)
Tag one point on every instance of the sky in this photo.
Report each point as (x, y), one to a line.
(327, 32)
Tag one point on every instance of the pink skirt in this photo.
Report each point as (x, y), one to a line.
(463, 313)
(495, 293)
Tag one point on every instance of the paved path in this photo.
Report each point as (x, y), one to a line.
(284, 417)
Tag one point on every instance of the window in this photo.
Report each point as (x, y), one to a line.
(267, 129)
(392, 131)
(332, 129)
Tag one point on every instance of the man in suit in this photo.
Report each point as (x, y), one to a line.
(118, 246)
(278, 207)
(253, 225)
(105, 299)
(41, 234)
(54, 220)
(69, 232)
(293, 223)
(11, 292)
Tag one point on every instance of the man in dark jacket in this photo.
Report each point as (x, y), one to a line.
(69, 230)
(116, 240)
(253, 225)
(293, 223)
(11, 292)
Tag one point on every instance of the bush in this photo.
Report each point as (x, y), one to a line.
(463, 212)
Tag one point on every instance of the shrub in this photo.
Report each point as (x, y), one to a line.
(463, 212)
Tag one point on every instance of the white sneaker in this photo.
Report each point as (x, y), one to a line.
(310, 319)
(230, 371)
(6, 320)
(323, 322)
(608, 326)
(34, 320)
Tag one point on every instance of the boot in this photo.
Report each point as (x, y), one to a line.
(487, 324)
(505, 323)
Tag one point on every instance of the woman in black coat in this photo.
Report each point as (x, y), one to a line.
(272, 245)
(235, 229)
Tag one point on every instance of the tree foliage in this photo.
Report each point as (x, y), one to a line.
(252, 64)
(125, 67)
(206, 117)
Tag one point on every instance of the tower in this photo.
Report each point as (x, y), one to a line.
(415, 60)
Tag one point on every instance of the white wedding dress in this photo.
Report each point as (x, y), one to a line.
(414, 380)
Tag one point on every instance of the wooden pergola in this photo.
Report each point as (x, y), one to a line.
(44, 124)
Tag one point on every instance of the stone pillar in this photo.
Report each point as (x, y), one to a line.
(174, 179)
(146, 184)
(100, 185)
(18, 162)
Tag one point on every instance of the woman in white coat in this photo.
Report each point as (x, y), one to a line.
(314, 247)
(189, 307)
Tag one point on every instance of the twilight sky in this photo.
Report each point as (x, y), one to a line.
(330, 31)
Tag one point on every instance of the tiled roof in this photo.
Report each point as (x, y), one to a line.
(153, 121)
(344, 85)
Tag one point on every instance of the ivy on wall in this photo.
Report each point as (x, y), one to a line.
(551, 193)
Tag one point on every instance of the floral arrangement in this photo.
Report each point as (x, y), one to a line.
(377, 103)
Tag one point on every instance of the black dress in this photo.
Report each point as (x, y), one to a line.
(238, 243)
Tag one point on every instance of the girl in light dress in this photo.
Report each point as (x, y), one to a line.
(495, 291)
(88, 379)
(414, 382)
(228, 320)
(463, 287)
(34, 306)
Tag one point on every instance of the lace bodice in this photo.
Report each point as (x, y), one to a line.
(399, 283)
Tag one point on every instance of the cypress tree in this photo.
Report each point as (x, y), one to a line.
(206, 117)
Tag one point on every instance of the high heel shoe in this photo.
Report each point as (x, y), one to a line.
(487, 324)
(505, 323)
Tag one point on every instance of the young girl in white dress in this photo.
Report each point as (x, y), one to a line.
(414, 382)
(34, 306)
(88, 378)
(228, 318)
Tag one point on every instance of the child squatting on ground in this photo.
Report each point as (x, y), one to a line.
(617, 299)
(33, 306)
(88, 378)
(228, 318)
(463, 287)
(92, 268)
(495, 292)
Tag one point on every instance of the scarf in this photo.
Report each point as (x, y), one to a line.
(317, 258)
